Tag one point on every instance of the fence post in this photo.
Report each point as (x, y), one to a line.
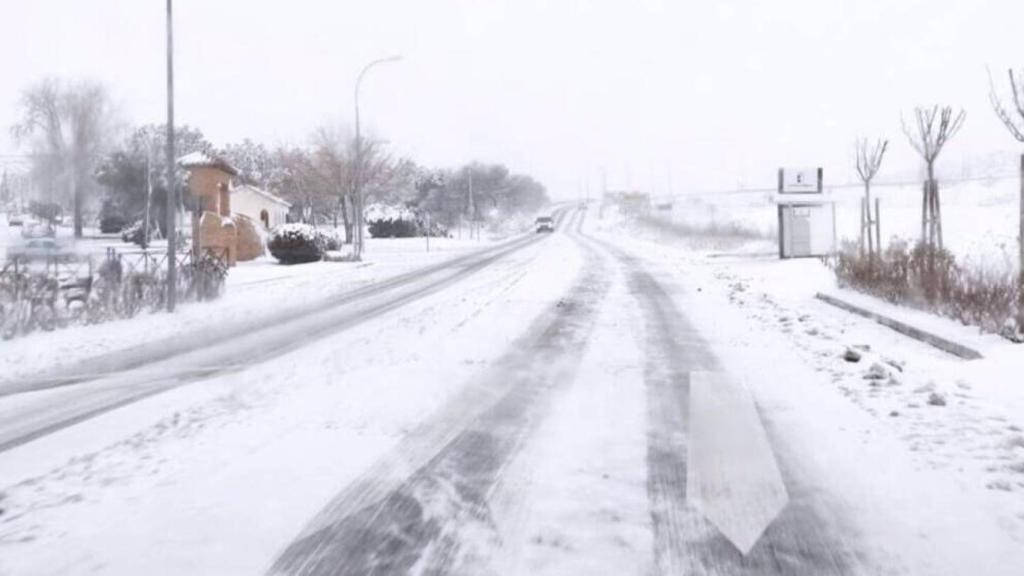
(878, 226)
(1020, 241)
(863, 227)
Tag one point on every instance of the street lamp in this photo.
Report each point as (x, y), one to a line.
(357, 192)
(149, 189)
(172, 189)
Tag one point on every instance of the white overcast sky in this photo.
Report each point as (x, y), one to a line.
(715, 92)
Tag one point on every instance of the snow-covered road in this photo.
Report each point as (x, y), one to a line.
(113, 380)
(523, 409)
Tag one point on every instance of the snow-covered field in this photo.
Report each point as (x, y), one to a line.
(980, 218)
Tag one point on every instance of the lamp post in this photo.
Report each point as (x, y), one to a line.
(172, 189)
(357, 173)
(149, 190)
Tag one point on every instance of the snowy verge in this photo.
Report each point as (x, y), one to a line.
(254, 289)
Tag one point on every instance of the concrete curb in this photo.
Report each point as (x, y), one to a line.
(948, 346)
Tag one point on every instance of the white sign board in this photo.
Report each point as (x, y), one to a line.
(799, 181)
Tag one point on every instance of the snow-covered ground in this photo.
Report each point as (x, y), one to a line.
(980, 218)
(975, 440)
(219, 476)
(255, 288)
(215, 477)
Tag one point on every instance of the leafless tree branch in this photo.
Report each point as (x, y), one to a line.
(869, 159)
(930, 138)
(1017, 130)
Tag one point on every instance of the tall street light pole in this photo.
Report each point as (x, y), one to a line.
(149, 189)
(357, 173)
(172, 189)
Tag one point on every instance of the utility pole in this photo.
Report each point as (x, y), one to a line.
(149, 190)
(172, 188)
(472, 204)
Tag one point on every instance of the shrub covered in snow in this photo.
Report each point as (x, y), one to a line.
(296, 243)
(391, 228)
(134, 234)
(332, 240)
(112, 223)
(386, 221)
(932, 279)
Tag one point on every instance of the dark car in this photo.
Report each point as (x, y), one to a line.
(545, 224)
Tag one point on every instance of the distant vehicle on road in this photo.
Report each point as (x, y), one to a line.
(545, 224)
(15, 220)
(35, 249)
(583, 205)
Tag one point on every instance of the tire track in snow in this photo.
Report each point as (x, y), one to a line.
(804, 540)
(150, 352)
(426, 507)
(91, 395)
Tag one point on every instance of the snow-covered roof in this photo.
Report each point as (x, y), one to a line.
(204, 160)
(265, 194)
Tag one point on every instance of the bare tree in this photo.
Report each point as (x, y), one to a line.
(68, 127)
(296, 180)
(934, 127)
(332, 174)
(869, 160)
(1016, 128)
